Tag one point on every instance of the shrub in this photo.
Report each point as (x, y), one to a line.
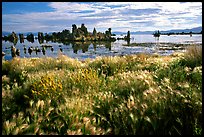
(193, 56)
(5, 67)
(48, 87)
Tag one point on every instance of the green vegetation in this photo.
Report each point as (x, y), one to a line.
(134, 94)
(193, 57)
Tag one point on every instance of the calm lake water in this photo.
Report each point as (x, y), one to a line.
(92, 50)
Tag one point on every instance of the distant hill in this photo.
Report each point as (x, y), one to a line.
(142, 32)
(138, 32)
(5, 33)
(195, 30)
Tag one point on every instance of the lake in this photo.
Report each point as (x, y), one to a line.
(86, 50)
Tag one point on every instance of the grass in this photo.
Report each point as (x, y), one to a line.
(130, 95)
(193, 56)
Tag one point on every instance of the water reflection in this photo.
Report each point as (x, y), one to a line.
(128, 41)
(15, 42)
(52, 49)
(84, 46)
(94, 45)
(31, 40)
(30, 50)
(24, 50)
(43, 50)
(108, 45)
(88, 49)
(21, 40)
(41, 40)
(75, 47)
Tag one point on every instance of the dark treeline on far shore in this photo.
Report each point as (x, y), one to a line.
(79, 34)
(158, 33)
(181, 33)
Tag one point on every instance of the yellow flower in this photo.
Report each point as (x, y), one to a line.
(60, 86)
(33, 91)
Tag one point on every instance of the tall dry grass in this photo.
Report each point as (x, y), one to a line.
(193, 56)
(135, 94)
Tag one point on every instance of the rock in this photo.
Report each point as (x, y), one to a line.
(30, 49)
(13, 51)
(52, 49)
(18, 52)
(3, 54)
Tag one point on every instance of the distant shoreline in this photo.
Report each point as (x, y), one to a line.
(162, 44)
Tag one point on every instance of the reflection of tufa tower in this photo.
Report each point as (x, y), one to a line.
(21, 36)
(157, 35)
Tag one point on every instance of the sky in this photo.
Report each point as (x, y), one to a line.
(119, 16)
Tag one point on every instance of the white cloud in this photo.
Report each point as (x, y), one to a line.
(70, 6)
(120, 16)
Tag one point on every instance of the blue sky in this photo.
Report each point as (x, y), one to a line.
(120, 16)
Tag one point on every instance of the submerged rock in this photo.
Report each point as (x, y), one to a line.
(3, 54)
(13, 51)
(18, 52)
